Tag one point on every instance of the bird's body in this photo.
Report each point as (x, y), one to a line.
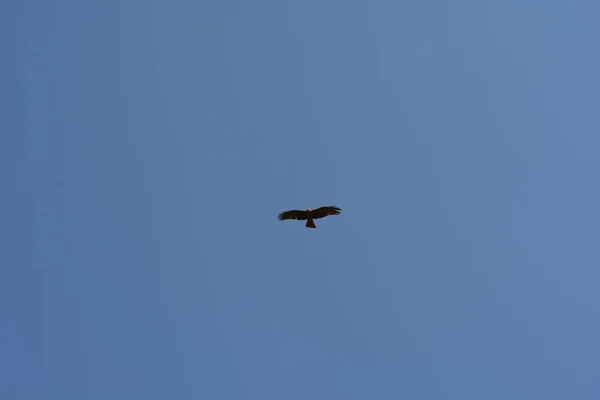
(309, 215)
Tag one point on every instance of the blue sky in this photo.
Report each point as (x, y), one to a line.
(147, 148)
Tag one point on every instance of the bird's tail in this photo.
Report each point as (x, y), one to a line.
(310, 223)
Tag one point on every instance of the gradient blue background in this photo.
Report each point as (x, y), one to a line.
(147, 147)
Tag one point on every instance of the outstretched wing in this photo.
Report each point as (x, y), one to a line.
(292, 214)
(325, 211)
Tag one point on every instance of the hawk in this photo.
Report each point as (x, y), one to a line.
(309, 215)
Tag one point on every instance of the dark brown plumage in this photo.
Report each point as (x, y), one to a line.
(309, 214)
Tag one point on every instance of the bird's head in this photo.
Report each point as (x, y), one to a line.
(308, 209)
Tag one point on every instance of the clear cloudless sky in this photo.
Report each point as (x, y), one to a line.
(146, 148)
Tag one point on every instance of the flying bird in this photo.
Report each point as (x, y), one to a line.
(309, 215)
